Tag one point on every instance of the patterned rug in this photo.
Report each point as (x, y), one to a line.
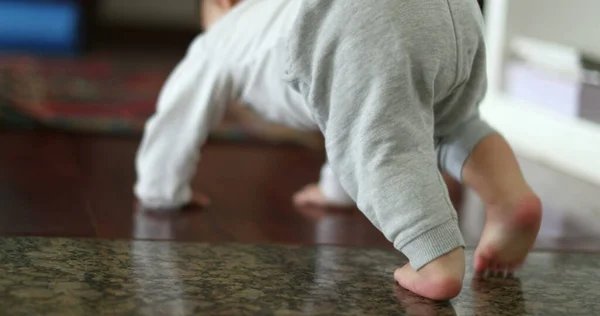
(108, 96)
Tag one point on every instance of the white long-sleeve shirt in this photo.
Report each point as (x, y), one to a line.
(242, 57)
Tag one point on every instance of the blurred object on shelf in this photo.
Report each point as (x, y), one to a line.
(40, 27)
(554, 77)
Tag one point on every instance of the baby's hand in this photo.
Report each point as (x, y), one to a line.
(199, 201)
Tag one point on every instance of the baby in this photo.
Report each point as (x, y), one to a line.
(393, 85)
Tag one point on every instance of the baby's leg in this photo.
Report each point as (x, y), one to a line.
(371, 84)
(479, 157)
(328, 192)
(475, 154)
(513, 210)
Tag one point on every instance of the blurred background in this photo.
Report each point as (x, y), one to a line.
(79, 78)
(98, 65)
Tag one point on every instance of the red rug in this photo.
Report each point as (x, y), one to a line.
(106, 95)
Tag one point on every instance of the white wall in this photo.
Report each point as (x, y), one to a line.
(571, 22)
(178, 13)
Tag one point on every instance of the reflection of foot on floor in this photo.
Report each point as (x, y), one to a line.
(413, 304)
(199, 201)
(317, 213)
(342, 226)
(497, 296)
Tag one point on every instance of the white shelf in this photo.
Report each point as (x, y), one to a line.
(568, 144)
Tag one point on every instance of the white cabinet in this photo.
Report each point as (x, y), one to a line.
(568, 144)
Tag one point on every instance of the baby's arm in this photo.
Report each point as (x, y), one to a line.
(192, 101)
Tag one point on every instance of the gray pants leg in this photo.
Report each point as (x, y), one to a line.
(385, 79)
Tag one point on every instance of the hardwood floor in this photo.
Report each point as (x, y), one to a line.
(56, 184)
(40, 189)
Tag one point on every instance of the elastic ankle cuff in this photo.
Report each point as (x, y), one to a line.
(453, 151)
(433, 244)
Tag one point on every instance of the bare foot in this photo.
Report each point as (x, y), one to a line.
(440, 279)
(311, 195)
(509, 234)
(513, 211)
(199, 200)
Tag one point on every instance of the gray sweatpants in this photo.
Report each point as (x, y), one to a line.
(394, 86)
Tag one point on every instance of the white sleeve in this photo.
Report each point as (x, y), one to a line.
(331, 188)
(192, 101)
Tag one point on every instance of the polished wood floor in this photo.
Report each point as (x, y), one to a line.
(56, 184)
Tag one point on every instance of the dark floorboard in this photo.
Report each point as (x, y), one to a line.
(56, 184)
(40, 187)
